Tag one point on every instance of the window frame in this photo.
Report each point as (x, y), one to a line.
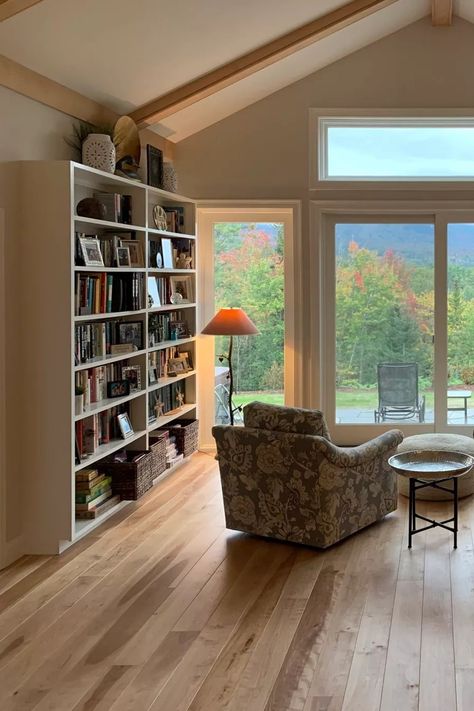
(321, 119)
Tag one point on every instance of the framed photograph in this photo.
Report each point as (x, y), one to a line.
(178, 329)
(133, 374)
(153, 294)
(183, 285)
(136, 252)
(125, 425)
(118, 388)
(175, 366)
(122, 257)
(131, 332)
(90, 248)
(186, 357)
(152, 377)
(167, 253)
(154, 166)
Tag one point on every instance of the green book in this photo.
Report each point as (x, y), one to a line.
(83, 497)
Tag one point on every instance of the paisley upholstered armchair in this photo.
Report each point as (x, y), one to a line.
(282, 477)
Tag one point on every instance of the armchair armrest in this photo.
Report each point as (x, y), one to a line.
(353, 456)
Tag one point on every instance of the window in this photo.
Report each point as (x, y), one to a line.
(395, 149)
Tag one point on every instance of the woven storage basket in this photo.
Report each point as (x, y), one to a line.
(133, 477)
(186, 435)
(158, 451)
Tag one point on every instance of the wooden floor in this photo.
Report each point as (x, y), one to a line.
(163, 609)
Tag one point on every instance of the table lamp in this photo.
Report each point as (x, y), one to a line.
(230, 322)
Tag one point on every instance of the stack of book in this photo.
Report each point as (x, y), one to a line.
(167, 327)
(172, 454)
(96, 340)
(108, 293)
(93, 494)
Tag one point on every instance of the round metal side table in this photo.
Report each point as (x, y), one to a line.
(434, 469)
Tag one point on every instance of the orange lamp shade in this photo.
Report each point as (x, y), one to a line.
(230, 322)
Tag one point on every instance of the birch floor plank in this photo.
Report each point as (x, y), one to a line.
(163, 609)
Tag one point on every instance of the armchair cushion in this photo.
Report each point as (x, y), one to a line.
(260, 415)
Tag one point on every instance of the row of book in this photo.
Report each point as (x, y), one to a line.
(97, 340)
(97, 429)
(93, 381)
(165, 400)
(172, 454)
(94, 494)
(108, 293)
(118, 208)
(168, 326)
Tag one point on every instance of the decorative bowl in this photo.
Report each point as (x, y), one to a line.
(431, 464)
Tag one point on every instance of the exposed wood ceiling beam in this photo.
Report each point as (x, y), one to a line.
(441, 12)
(8, 8)
(258, 59)
(35, 86)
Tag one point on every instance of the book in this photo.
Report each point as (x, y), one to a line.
(86, 475)
(87, 485)
(95, 502)
(100, 509)
(83, 496)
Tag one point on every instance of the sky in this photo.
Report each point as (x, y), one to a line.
(402, 151)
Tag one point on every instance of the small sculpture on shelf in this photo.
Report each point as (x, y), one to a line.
(159, 409)
(180, 398)
(184, 261)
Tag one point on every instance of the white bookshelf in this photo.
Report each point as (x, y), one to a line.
(47, 223)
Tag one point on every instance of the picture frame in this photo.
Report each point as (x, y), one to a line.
(178, 330)
(133, 374)
(154, 166)
(175, 366)
(186, 357)
(135, 247)
(91, 252)
(131, 332)
(183, 285)
(154, 300)
(125, 425)
(118, 388)
(152, 377)
(122, 257)
(167, 253)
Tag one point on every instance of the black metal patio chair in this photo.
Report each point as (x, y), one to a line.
(398, 393)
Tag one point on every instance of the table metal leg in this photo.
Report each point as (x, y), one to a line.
(455, 522)
(411, 510)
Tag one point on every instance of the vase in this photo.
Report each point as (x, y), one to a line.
(98, 151)
(79, 404)
(170, 180)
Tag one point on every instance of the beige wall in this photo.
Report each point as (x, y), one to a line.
(262, 151)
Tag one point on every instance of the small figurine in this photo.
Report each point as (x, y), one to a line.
(180, 398)
(183, 261)
(159, 409)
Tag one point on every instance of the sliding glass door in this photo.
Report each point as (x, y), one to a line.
(397, 323)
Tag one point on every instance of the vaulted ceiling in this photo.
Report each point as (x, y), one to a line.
(157, 59)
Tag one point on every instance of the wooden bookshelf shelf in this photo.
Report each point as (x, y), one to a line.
(115, 314)
(49, 461)
(105, 449)
(163, 382)
(109, 359)
(166, 419)
(102, 405)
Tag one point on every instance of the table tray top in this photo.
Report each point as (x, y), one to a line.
(431, 464)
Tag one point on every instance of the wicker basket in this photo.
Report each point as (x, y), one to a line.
(186, 435)
(133, 477)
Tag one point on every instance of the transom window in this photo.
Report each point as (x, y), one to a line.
(395, 148)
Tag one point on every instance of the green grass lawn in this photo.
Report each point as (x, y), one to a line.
(358, 399)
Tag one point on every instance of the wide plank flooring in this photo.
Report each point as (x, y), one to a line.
(163, 609)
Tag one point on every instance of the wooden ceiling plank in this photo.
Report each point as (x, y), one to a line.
(9, 8)
(254, 61)
(441, 12)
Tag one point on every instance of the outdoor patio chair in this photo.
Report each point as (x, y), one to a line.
(398, 393)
